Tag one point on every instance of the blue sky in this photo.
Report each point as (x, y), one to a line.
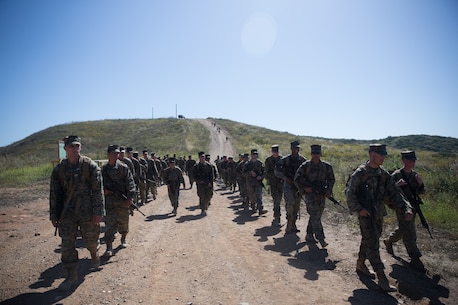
(332, 68)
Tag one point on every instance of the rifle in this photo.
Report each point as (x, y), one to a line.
(250, 169)
(61, 205)
(117, 192)
(425, 224)
(416, 205)
(59, 208)
(322, 190)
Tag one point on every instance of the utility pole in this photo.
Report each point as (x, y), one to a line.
(176, 111)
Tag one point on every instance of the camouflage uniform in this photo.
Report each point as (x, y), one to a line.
(223, 170)
(75, 203)
(215, 174)
(231, 174)
(406, 229)
(241, 177)
(180, 163)
(152, 175)
(82, 195)
(370, 189)
(204, 175)
(119, 186)
(125, 160)
(144, 184)
(140, 174)
(275, 184)
(189, 165)
(173, 177)
(321, 174)
(285, 169)
(254, 173)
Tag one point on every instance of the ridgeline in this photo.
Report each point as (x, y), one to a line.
(187, 136)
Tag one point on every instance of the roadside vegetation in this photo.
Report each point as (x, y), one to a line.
(29, 161)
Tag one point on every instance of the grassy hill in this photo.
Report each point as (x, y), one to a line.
(188, 136)
(29, 160)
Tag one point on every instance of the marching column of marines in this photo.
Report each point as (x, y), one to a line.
(82, 195)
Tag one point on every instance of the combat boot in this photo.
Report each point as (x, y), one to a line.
(109, 251)
(389, 246)
(417, 264)
(262, 211)
(310, 238)
(383, 283)
(71, 279)
(323, 243)
(124, 244)
(95, 259)
(276, 221)
(361, 268)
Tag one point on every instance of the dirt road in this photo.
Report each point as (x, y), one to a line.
(230, 256)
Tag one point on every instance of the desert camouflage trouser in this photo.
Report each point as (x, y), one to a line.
(142, 191)
(276, 190)
(407, 232)
(191, 179)
(174, 194)
(370, 241)
(205, 193)
(292, 200)
(116, 220)
(68, 230)
(315, 207)
(151, 187)
(254, 191)
(242, 188)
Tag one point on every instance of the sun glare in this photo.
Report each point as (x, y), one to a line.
(259, 34)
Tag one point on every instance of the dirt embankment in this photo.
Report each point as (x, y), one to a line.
(230, 256)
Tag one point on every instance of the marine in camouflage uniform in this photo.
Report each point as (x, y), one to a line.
(119, 191)
(285, 169)
(411, 185)
(188, 166)
(254, 173)
(180, 163)
(223, 170)
(369, 188)
(215, 173)
(144, 189)
(76, 204)
(231, 174)
(173, 177)
(320, 174)
(125, 160)
(140, 174)
(275, 183)
(242, 179)
(136, 172)
(204, 175)
(152, 175)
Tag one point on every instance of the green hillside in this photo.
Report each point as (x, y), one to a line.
(183, 136)
(160, 135)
